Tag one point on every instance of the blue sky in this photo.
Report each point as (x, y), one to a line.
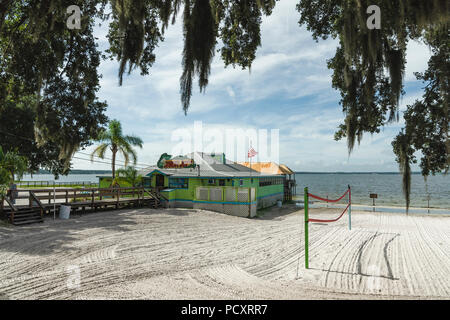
(288, 88)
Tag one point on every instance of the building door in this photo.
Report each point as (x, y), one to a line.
(159, 180)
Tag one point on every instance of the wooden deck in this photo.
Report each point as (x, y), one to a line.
(40, 202)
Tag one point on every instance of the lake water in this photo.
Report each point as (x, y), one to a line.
(387, 186)
(68, 178)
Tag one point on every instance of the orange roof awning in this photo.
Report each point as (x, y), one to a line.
(268, 167)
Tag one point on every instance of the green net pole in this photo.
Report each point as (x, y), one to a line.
(306, 228)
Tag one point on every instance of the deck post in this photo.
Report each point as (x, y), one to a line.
(93, 195)
(54, 201)
(138, 203)
(2, 206)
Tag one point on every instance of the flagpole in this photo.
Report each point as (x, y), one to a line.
(250, 159)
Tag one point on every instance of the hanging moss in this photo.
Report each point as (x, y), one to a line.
(204, 39)
(188, 58)
(396, 64)
(130, 15)
(369, 69)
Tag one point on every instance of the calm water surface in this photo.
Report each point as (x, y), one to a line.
(387, 186)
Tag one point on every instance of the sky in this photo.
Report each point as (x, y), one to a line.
(288, 88)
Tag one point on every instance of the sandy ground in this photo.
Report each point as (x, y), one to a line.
(196, 254)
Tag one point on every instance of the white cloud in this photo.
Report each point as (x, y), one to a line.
(417, 57)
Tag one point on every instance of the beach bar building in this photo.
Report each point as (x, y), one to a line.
(209, 181)
(273, 168)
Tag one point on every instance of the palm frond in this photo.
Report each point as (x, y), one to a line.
(128, 152)
(115, 129)
(114, 138)
(134, 140)
(104, 136)
(99, 151)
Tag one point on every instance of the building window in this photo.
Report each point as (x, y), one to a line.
(268, 181)
(178, 183)
(221, 182)
(241, 182)
(211, 181)
(147, 183)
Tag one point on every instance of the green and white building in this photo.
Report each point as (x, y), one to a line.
(212, 182)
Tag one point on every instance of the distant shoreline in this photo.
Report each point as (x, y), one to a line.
(79, 171)
(341, 172)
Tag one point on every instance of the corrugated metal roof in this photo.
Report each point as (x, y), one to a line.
(231, 168)
(203, 173)
(210, 166)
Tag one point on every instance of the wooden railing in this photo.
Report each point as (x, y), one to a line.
(55, 183)
(161, 196)
(45, 197)
(12, 206)
(32, 198)
(155, 194)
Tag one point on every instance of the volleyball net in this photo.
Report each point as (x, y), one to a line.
(348, 209)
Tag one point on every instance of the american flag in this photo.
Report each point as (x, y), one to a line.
(252, 153)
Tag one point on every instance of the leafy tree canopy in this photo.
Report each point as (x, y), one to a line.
(52, 71)
(48, 75)
(11, 164)
(369, 65)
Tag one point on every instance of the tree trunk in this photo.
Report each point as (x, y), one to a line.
(114, 164)
(2, 214)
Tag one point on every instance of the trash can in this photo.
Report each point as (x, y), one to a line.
(279, 203)
(64, 212)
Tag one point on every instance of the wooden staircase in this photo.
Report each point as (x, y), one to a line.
(24, 216)
(82, 199)
(155, 201)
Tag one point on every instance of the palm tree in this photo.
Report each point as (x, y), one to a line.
(130, 174)
(116, 142)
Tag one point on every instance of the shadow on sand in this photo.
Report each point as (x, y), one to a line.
(275, 213)
(55, 235)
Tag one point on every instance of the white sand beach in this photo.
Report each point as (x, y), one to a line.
(196, 254)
